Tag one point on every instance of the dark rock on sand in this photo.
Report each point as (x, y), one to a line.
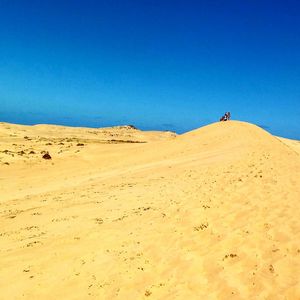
(47, 156)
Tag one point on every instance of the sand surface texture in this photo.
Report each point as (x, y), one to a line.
(118, 213)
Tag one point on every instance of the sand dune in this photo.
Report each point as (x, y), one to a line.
(119, 213)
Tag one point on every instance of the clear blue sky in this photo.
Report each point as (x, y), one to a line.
(170, 65)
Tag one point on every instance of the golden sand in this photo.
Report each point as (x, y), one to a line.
(119, 213)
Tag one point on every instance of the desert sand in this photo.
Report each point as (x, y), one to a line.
(118, 213)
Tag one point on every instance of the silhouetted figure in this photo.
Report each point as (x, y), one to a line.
(226, 117)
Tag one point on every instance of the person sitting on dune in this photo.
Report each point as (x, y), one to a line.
(226, 117)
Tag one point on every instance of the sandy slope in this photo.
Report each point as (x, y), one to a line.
(211, 214)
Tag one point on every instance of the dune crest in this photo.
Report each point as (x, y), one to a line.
(118, 213)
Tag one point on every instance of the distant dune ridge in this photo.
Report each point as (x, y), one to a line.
(120, 213)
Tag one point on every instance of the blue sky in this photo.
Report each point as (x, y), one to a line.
(169, 65)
